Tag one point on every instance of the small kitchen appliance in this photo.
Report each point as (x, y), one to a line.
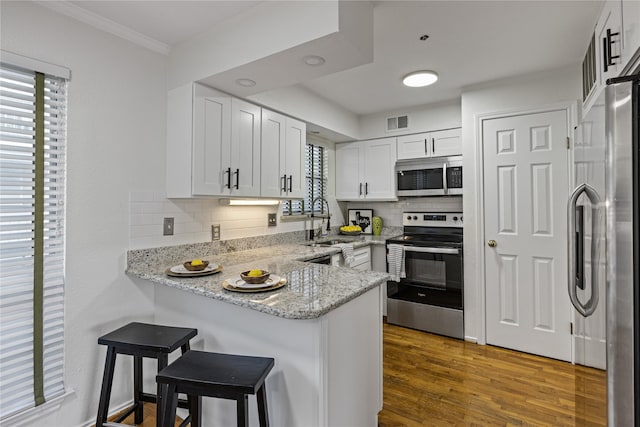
(430, 295)
(435, 176)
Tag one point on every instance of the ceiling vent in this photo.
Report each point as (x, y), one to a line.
(397, 123)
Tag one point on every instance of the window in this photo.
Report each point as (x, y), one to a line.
(316, 167)
(32, 190)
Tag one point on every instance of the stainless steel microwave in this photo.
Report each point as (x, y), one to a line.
(437, 176)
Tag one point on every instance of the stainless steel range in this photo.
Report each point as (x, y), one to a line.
(429, 295)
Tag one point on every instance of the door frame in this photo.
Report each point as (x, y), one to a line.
(571, 110)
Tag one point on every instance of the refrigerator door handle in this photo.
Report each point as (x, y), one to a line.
(588, 308)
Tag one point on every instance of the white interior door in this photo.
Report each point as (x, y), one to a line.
(526, 192)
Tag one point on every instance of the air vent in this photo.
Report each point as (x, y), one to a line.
(397, 123)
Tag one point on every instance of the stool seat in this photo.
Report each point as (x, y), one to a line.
(140, 340)
(226, 376)
(140, 337)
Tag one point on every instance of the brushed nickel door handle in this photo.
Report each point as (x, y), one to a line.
(492, 243)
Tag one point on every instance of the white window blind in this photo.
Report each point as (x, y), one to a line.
(317, 170)
(32, 189)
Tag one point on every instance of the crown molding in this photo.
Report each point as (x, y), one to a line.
(76, 12)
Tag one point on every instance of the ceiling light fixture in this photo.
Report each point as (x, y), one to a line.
(420, 78)
(313, 60)
(245, 82)
(249, 202)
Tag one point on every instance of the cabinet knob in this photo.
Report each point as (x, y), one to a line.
(492, 243)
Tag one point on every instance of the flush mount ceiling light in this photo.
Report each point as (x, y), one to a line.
(245, 82)
(420, 78)
(313, 60)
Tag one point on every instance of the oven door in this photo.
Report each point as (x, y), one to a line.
(433, 276)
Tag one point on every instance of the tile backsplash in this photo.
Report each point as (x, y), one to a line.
(193, 219)
(391, 212)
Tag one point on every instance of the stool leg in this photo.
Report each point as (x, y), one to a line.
(263, 413)
(170, 404)
(163, 360)
(195, 410)
(137, 389)
(105, 391)
(241, 409)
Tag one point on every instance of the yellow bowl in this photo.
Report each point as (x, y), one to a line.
(254, 280)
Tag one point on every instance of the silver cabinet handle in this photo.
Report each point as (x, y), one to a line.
(290, 183)
(366, 188)
(360, 191)
(237, 174)
(451, 251)
(433, 146)
(284, 183)
(425, 147)
(588, 308)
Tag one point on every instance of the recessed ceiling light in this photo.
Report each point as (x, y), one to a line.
(420, 78)
(313, 60)
(245, 82)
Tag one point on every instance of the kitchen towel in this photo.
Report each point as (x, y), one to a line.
(395, 259)
(347, 253)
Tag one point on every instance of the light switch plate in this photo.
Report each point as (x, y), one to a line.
(167, 227)
(215, 232)
(271, 220)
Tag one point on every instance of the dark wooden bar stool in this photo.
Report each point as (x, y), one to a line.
(140, 340)
(225, 376)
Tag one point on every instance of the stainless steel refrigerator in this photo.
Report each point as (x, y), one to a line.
(604, 258)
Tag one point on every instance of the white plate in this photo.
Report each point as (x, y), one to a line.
(180, 269)
(237, 282)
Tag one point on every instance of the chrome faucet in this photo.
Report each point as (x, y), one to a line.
(312, 231)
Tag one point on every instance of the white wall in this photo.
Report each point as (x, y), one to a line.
(116, 134)
(442, 115)
(522, 93)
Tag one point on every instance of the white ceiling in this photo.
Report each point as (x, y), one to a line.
(469, 42)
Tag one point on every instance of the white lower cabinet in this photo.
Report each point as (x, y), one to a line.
(365, 170)
(361, 259)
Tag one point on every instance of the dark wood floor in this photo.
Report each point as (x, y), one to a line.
(431, 380)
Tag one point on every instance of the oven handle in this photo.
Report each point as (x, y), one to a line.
(452, 251)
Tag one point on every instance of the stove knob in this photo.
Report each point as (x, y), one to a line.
(409, 217)
(455, 218)
(415, 217)
(460, 218)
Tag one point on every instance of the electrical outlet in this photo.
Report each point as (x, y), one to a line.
(215, 232)
(167, 227)
(271, 220)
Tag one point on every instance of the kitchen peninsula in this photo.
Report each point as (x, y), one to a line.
(324, 328)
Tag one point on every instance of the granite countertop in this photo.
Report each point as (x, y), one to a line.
(312, 290)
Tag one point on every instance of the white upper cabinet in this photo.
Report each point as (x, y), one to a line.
(446, 143)
(213, 144)
(283, 151)
(430, 144)
(414, 146)
(630, 30)
(365, 170)
(613, 48)
(609, 40)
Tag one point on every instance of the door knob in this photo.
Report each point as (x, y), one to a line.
(492, 243)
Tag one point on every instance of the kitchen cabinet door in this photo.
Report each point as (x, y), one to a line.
(348, 171)
(244, 148)
(283, 154)
(294, 153)
(630, 30)
(413, 146)
(446, 143)
(609, 41)
(379, 169)
(273, 145)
